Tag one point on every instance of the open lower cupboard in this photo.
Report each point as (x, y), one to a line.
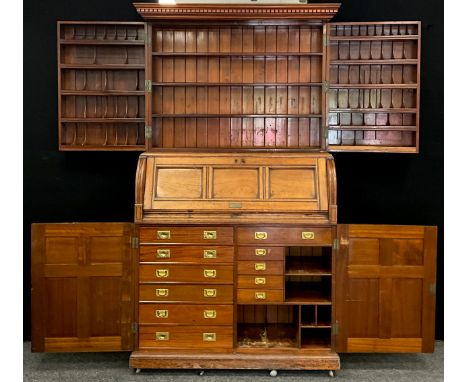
(235, 258)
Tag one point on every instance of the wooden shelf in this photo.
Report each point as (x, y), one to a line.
(304, 297)
(314, 326)
(237, 84)
(369, 110)
(373, 149)
(376, 128)
(307, 266)
(102, 66)
(238, 54)
(102, 147)
(374, 38)
(373, 86)
(102, 92)
(102, 42)
(237, 115)
(103, 120)
(408, 61)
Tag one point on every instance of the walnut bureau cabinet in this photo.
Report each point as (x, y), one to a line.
(235, 258)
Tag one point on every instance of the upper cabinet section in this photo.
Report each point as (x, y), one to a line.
(249, 188)
(101, 71)
(373, 86)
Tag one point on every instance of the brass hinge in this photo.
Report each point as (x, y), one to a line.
(135, 327)
(326, 40)
(432, 288)
(336, 244)
(148, 132)
(335, 328)
(148, 86)
(326, 86)
(135, 242)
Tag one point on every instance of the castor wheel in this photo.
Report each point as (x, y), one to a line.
(201, 372)
(137, 371)
(273, 373)
(331, 373)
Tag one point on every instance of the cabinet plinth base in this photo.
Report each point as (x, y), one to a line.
(316, 360)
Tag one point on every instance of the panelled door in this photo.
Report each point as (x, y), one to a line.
(385, 290)
(82, 287)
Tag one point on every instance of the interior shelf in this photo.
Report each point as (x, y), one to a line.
(373, 86)
(377, 128)
(238, 54)
(256, 84)
(102, 66)
(373, 110)
(373, 38)
(408, 61)
(104, 120)
(319, 338)
(102, 92)
(237, 115)
(102, 42)
(308, 266)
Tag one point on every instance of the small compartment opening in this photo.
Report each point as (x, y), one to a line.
(308, 261)
(315, 338)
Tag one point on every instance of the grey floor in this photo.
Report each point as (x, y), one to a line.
(114, 367)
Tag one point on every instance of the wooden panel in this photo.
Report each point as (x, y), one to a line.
(205, 294)
(385, 300)
(185, 337)
(185, 314)
(292, 183)
(185, 254)
(286, 236)
(179, 183)
(83, 302)
(181, 273)
(236, 183)
(186, 235)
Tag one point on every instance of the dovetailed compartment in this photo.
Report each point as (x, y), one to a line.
(101, 85)
(373, 87)
(237, 86)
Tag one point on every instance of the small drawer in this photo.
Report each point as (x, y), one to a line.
(260, 253)
(286, 235)
(186, 254)
(259, 296)
(187, 235)
(207, 294)
(185, 314)
(185, 337)
(260, 267)
(260, 281)
(180, 273)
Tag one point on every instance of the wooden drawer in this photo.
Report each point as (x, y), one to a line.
(260, 267)
(260, 253)
(194, 273)
(187, 254)
(259, 281)
(300, 236)
(206, 294)
(185, 337)
(187, 235)
(259, 296)
(185, 314)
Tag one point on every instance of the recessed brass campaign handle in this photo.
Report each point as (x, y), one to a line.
(162, 336)
(260, 295)
(162, 273)
(162, 292)
(161, 313)
(209, 235)
(209, 336)
(209, 292)
(209, 273)
(164, 235)
(260, 252)
(261, 235)
(163, 253)
(209, 254)
(308, 235)
(260, 266)
(209, 313)
(260, 280)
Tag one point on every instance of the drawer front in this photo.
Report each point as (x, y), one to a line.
(185, 314)
(187, 235)
(187, 254)
(167, 273)
(260, 282)
(284, 235)
(206, 294)
(259, 296)
(260, 267)
(260, 253)
(185, 337)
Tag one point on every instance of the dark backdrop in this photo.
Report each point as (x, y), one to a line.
(94, 187)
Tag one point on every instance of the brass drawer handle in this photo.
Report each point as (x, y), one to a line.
(209, 273)
(209, 254)
(260, 295)
(162, 292)
(164, 235)
(161, 313)
(209, 336)
(260, 280)
(209, 292)
(308, 235)
(162, 273)
(261, 235)
(209, 235)
(163, 253)
(209, 313)
(162, 336)
(260, 252)
(260, 266)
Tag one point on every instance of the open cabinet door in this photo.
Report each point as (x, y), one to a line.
(82, 287)
(385, 297)
(372, 86)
